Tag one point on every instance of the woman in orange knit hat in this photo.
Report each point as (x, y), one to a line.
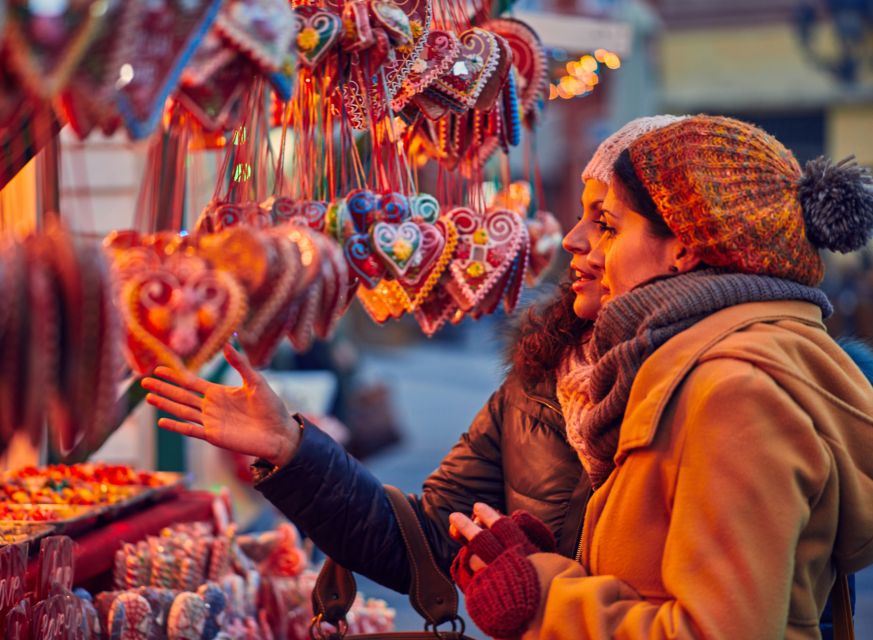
(728, 437)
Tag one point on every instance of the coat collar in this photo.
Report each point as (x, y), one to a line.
(667, 367)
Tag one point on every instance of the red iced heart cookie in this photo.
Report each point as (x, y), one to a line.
(363, 263)
(439, 53)
(487, 246)
(180, 315)
(478, 59)
(529, 58)
(149, 75)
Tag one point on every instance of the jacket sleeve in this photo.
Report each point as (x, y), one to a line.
(745, 482)
(471, 472)
(343, 507)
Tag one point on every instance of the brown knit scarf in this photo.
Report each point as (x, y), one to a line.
(629, 329)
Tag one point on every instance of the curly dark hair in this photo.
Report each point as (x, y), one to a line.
(543, 334)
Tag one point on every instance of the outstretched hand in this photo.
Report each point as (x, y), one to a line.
(250, 419)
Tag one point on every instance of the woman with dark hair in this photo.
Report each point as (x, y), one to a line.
(515, 455)
(728, 438)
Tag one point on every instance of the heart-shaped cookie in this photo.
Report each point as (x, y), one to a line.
(180, 315)
(399, 66)
(263, 30)
(529, 58)
(151, 73)
(311, 212)
(361, 205)
(435, 310)
(270, 306)
(397, 245)
(385, 301)
(487, 246)
(87, 98)
(318, 30)
(358, 33)
(336, 293)
(478, 59)
(545, 235)
(433, 264)
(393, 19)
(438, 54)
(393, 208)
(362, 261)
(46, 46)
(424, 207)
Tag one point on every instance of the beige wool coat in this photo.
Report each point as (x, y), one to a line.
(744, 483)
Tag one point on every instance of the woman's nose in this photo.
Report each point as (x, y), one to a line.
(595, 255)
(576, 241)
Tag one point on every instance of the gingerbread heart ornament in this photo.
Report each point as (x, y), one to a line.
(262, 29)
(439, 53)
(362, 261)
(478, 59)
(545, 236)
(435, 310)
(151, 73)
(397, 245)
(180, 315)
(387, 300)
(88, 99)
(317, 32)
(487, 246)
(529, 58)
(47, 43)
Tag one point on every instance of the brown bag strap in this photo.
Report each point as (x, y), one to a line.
(431, 592)
(841, 606)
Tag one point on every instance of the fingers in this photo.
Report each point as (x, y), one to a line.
(185, 428)
(464, 526)
(177, 409)
(184, 379)
(476, 563)
(241, 363)
(173, 392)
(486, 514)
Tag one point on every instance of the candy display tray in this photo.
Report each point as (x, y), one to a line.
(17, 532)
(64, 519)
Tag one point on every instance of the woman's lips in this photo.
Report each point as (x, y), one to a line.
(582, 280)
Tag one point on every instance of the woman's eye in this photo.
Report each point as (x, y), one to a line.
(605, 228)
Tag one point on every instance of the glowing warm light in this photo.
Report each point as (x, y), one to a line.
(600, 55)
(553, 91)
(591, 79)
(612, 61)
(588, 63)
(573, 67)
(563, 93)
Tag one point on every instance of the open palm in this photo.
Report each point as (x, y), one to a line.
(250, 419)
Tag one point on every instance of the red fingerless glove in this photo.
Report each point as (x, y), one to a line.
(503, 598)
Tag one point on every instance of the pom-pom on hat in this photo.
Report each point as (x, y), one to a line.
(738, 197)
(601, 163)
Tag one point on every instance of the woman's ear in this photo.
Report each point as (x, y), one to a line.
(684, 260)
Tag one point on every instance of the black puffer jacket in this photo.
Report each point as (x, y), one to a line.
(514, 456)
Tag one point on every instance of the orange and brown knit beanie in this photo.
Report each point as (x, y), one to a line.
(738, 197)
